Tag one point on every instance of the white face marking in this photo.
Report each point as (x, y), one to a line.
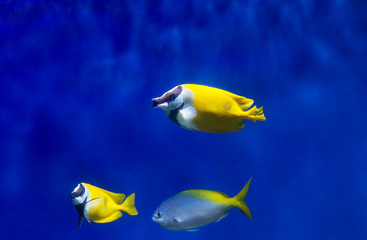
(185, 116)
(172, 104)
(187, 96)
(177, 102)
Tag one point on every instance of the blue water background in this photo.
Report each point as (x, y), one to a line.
(77, 79)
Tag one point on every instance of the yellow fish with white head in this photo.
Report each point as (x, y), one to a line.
(98, 205)
(207, 109)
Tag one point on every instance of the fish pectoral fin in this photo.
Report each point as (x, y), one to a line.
(95, 201)
(116, 197)
(113, 217)
(243, 102)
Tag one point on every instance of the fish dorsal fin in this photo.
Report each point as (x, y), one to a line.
(215, 195)
(209, 195)
(243, 102)
(201, 192)
(223, 194)
(116, 197)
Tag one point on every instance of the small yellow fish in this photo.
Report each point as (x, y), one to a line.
(207, 109)
(101, 206)
(191, 209)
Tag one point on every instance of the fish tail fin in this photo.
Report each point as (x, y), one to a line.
(254, 114)
(239, 200)
(128, 205)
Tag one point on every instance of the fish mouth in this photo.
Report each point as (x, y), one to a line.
(155, 103)
(74, 195)
(159, 104)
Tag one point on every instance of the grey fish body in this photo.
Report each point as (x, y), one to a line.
(192, 209)
(185, 211)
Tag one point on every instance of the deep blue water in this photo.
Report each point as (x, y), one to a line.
(77, 79)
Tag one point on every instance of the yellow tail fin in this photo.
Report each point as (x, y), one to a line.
(128, 205)
(254, 114)
(239, 200)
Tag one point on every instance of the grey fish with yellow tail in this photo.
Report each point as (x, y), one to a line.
(98, 205)
(192, 209)
(207, 109)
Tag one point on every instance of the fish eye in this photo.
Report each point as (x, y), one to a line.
(172, 97)
(159, 214)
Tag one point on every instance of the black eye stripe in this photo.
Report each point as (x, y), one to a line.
(171, 95)
(79, 192)
(176, 91)
(167, 96)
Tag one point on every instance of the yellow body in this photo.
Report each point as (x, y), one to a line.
(104, 206)
(219, 111)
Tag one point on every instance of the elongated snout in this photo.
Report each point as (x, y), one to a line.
(74, 195)
(155, 102)
(160, 103)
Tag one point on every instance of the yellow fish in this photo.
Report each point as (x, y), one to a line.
(101, 206)
(207, 109)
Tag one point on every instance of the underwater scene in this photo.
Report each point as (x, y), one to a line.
(145, 119)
